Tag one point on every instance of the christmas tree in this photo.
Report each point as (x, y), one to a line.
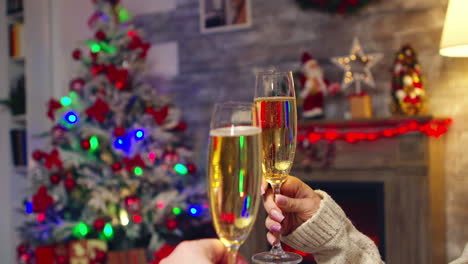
(408, 94)
(118, 165)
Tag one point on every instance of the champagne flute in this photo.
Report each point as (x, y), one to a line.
(235, 174)
(276, 108)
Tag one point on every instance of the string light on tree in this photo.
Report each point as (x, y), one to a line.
(65, 101)
(195, 210)
(176, 211)
(71, 118)
(138, 171)
(139, 134)
(94, 143)
(80, 230)
(181, 169)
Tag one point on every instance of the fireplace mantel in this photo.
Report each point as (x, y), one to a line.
(411, 167)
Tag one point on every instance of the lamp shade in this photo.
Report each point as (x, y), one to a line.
(454, 41)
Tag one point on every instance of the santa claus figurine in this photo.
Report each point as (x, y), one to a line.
(313, 88)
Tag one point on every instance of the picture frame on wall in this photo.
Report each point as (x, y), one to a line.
(225, 15)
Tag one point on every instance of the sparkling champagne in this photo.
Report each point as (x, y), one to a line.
(277, 117)
(234, 181)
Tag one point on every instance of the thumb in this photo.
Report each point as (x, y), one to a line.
(291, 205)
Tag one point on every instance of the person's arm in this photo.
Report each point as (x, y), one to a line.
(331, 236)
(311, 221)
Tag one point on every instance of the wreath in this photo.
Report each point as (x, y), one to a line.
(334, 6)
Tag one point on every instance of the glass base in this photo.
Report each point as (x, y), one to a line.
(268, 257)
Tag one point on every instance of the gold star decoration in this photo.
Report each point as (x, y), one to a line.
(357, 66)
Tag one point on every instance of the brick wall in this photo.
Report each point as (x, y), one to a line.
(220, 67)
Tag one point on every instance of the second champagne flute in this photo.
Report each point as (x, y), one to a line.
(275, 101)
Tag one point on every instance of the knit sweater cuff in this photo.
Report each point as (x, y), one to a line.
(321, 228)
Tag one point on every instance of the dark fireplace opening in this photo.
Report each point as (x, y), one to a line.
(363, 203)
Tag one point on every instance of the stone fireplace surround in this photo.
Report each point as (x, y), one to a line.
(409, 166)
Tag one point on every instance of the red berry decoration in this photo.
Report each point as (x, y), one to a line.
(116, 166)
(99, 224)
(101, 35)
(76, 85)
(133, 204)
(61, 260)
(37, 155)
(119, 131)
(70, 184)
(77, 54)
(41, 200)
(55, 178)
(171, 224)
(191, 168)
(85, 145)
(101, 257)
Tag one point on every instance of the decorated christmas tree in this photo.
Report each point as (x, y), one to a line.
(408, 94)
(118, 165)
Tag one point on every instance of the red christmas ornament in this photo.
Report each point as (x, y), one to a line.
(55, 178)
(131, 163)
(54, 105)
(76, 85)
(94, 56)
(37, 155)
(116, 166)
(101, 257)
(100, 35)
(182, 126)
(52, 159)
(133, 204)
(191, 168)
(76, 54)
(41, 200)
(61, 260)
(98, 111)
(158, 115)
(99, 224)
(97, 69)
(70, 184)
(170, 157)
(85, 145)
(119, 131)
(171, 224)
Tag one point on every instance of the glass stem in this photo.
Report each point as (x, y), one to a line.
(232, 254)
(277, 249)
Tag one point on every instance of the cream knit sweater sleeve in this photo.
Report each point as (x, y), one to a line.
(331, 236)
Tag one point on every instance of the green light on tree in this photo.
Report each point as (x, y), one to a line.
(94, 143)
(181, 169)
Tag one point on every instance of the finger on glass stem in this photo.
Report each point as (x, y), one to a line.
(272, 238)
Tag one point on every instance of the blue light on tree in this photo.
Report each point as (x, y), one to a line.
(71, 118)
(122, 143)
(195, 210)
(139, 134)
(29, 207)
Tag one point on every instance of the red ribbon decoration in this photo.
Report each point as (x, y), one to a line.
(52, 159)
(117, 76)
(98, 111)
(131, 163)
(54, 105)
(137, 42)
(158, 115)
(414, 100)
(41, 200)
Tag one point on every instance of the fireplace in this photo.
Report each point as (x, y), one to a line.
(363, 203)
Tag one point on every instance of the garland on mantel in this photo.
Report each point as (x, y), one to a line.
(334, 6)
(319, 147)
(433, 128)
